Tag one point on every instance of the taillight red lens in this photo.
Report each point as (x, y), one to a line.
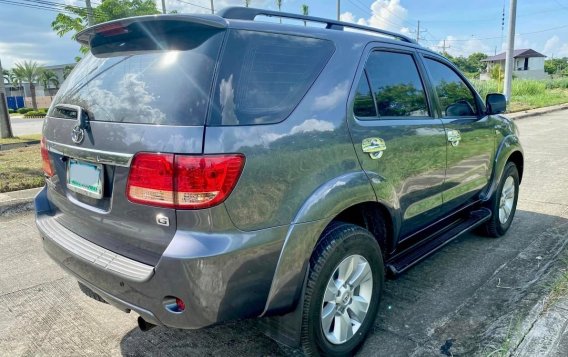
(182, 181)
(46, 162)
(151, 179)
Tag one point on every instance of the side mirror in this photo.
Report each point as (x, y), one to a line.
(496, 103)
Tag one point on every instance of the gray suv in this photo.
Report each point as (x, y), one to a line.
(205, 168)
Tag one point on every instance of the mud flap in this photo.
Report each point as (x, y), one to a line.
(286, 329)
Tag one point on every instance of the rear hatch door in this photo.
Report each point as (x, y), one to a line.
(143, 87)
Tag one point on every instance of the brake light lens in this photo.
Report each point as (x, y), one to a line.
(182, 181)
(46, 162)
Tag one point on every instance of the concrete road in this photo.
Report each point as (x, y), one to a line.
(22, 126)
(476, 296)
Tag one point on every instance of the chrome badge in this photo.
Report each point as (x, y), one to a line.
(78, 134)
(162, 220)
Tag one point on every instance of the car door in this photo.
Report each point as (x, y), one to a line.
(470, 134)
(399, 141)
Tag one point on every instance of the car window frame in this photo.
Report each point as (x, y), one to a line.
(480, 105)
(362, 70)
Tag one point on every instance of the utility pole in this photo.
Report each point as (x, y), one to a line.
(444, 46)
(338, 10)
(5, 125)
(90, 21)
(163, 6)
(418, 32)
(212, 7)
(510, 48)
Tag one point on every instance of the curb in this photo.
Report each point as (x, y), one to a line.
(17, 201)
(18, 145)
(535, 112)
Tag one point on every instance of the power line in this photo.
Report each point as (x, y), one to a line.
(196, 5)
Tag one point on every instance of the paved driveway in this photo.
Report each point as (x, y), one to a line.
(22, 126)
(476, 296)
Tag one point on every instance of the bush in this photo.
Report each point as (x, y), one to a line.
(34, 113)
(43, 110)
(11, 111)
(24, 110)
(557, 83)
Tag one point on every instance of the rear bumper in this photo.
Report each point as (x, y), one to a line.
(229, 282)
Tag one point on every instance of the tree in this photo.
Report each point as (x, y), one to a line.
(75, 18)
(28, 71)
(247, 3)
(47, 77)
(67, 71)
(556, 66)
(279, 5)
(305, 12)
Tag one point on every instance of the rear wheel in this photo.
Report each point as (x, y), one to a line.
(503, 204)
(343, 292)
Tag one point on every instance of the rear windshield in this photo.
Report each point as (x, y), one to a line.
(264, 76)
(161, 75)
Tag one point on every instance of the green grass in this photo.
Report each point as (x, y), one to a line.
(20, 169)
(528, 94)
(21, 139)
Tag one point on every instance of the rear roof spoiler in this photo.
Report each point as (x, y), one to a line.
(84, 37)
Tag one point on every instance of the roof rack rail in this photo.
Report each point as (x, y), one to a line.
(249, 13)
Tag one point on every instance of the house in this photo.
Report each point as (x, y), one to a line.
(20, 95)
(528, 64)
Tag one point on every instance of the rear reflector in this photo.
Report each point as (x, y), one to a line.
(182, 181)
(46, 162)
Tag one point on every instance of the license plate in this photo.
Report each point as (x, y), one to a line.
(85, 178)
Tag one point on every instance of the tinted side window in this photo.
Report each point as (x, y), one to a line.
(264, 76)
(396, 85)
(456, 99)
(364, 106)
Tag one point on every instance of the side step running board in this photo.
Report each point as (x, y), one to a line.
(416, 253)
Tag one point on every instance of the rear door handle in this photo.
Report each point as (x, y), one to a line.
(374, 147)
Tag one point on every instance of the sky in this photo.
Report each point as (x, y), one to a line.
(466, 26)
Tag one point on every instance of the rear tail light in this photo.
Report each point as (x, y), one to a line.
(46, 162)
(182, 181)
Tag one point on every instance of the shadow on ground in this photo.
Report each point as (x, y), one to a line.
(471, 298)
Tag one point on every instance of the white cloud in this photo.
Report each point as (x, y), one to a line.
(385, 14)
(460, 47)
(555, 47)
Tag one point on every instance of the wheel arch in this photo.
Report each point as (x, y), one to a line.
(509, 149)
(343, 198)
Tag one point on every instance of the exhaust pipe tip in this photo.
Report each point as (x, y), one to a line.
(144, 325)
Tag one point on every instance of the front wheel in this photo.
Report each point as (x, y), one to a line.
(503, 204)
(343, 292)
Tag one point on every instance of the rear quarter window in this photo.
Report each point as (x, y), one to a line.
(263, 76)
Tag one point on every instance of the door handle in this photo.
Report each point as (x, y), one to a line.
(374, 147)
(454, 137)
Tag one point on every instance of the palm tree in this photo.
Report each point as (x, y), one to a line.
(46, 77)
(14, 81)
(67, 70)
(247, 3)
(28, 71)
(305, 12)
(279, 5)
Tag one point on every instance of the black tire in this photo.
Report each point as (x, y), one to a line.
(494, 228)
(90, 293)
(339, 241)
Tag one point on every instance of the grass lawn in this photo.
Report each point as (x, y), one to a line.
(525, 102)
(20, 169)
(21, 139)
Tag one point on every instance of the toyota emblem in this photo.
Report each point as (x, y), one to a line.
(78, 134)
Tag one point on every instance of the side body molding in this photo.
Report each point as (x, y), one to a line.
(508, 146)
(318, 210)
